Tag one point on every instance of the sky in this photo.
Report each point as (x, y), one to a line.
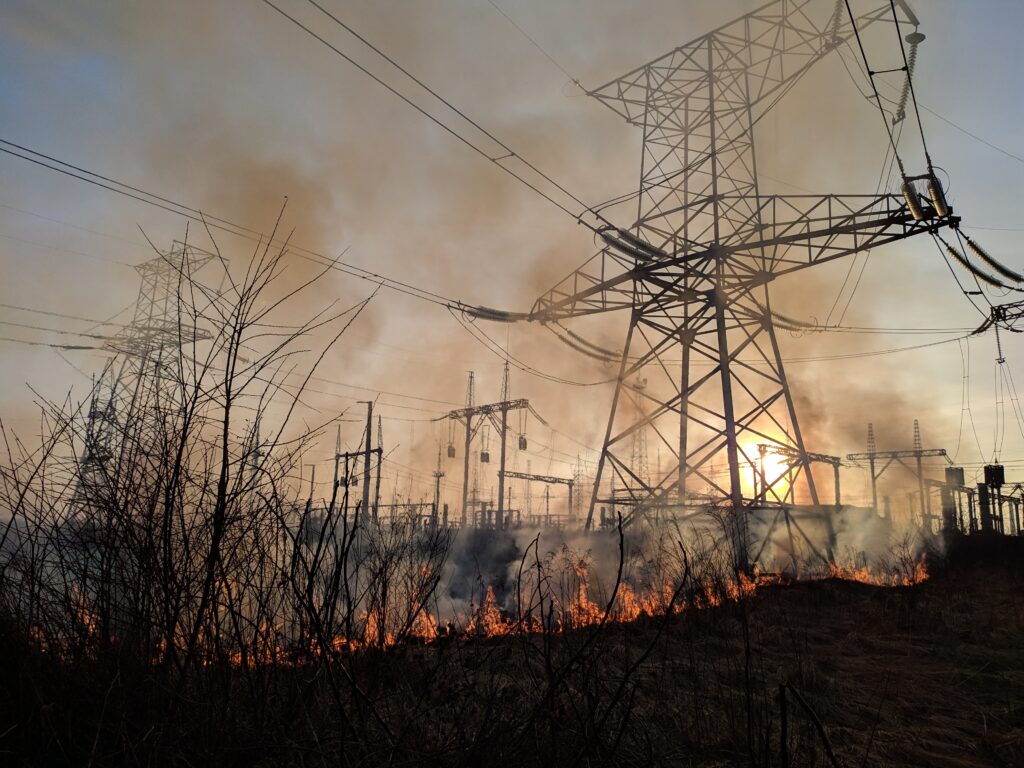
(231, 109)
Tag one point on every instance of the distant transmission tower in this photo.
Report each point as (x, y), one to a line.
(140, 375)
(638, 460)
(158, 323)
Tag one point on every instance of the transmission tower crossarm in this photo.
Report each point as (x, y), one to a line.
(909, 454)
(777, 43)
(827, 227)
(550, 479)
(487, 409)
(1003, 316)
(792, 453)
(783, 234)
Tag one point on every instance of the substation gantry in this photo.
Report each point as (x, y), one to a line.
(548, 480)
(693, 271)
(472, 418)
(918, 453)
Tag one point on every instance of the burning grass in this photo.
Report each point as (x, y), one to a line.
(580, 605)
(924, 676)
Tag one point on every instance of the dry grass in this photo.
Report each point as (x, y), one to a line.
(931, 675)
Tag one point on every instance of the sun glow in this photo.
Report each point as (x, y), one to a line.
(766, 470)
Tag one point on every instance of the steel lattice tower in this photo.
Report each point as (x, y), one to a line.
(160, 321)
(638, 460)
(694, 271)
(139, 376)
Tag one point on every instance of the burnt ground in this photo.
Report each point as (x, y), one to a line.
(931, 675)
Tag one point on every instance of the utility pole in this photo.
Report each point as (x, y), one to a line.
(500, 520)
(380, 461)
(438, 474)
(366, 458)
(469, 439)
(337, 457)
(577, 480)
(926, 504)
(872, 449)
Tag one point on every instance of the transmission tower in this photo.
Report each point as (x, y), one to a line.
(577, 479)
(694, 270)
(638, 460)
(100, 431)
(160, 322)
(140, 372)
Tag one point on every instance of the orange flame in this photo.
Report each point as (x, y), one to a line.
(575, 611)
(908, 576)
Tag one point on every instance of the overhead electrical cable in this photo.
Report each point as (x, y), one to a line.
(497, 161)
(70, 225)
(496, 349)
(58, 249)
(1014, 399)
(71, 347)
(221, 224)
(979, 275)
(537, 45)
(62, 332)
(963, 130)
(874, 88)
(974, 136)
(968, 294)
(62, 315)
(909, 82)
(884, 177)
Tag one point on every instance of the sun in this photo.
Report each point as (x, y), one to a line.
(774, 468)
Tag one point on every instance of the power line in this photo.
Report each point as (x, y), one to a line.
(215, 222)
(62, 315)
(874, 88)
(54, 330)
(57, 249)
(998, 229)
(883, 177)
(494, 348)
(974, 136)
(963, 130)
(71, 347)
(537, 45)
(497, 161)
(98, 323)
(877, 352)
(910, 83)
(64, 223)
